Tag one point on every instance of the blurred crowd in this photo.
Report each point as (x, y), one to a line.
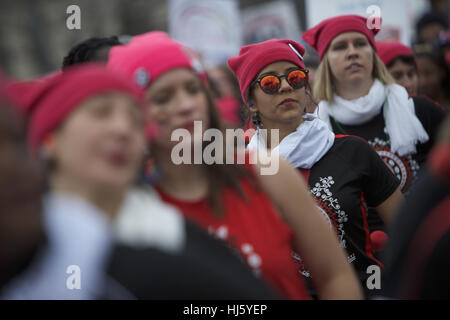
(94, 206)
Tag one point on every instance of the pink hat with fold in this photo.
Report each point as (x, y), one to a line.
(320, 36)
(389, 50)
(51, 100)
(148, 56)
(253, 58)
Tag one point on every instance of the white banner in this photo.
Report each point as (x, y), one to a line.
(211, 27)
(268, 21)
(398, 16)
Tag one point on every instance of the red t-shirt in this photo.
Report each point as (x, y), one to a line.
(255, 229)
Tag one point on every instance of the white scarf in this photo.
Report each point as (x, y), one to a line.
(78, 234)
(302, 148)
(404, 128)
(147, 221)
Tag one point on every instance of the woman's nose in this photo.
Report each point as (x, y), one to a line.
(352, 52)
(186, 104)
(122, 124)
(284, 85)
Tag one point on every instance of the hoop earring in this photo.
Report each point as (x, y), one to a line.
(45, 160)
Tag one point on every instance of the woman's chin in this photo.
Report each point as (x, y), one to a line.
(114, 182)
(357, 77)
(291, 115)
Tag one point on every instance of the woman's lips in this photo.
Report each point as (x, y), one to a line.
(287, 102)
(354, 66)
(119, 159)
(188, 126)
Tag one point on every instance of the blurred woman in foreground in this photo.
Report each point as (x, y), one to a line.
(107, 237)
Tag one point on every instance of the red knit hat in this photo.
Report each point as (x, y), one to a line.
(253, 58)
(389, 50)
(320, 36)
(20, 92)
(149, 55)
(56, 97)
(228, 109)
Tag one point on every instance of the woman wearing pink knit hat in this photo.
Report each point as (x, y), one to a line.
(257, 215)
(401, 63)
(344, 174)
(358, 96)
(86, 128)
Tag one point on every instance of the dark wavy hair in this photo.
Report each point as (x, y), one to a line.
(88, 51)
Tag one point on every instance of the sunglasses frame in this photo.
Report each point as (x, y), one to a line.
(280, 78)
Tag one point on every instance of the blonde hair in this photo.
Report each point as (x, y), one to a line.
(324, 88)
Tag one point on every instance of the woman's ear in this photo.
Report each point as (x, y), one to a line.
(311, 104)
(48, 143)
(48, 148)
(252, 107)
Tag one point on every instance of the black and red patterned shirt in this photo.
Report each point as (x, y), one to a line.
(345, 182)
(405, 168)
(374, 132)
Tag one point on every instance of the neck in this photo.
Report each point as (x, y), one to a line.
(353, 90)
(107, 200)
(284, 129)
(184, 181)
